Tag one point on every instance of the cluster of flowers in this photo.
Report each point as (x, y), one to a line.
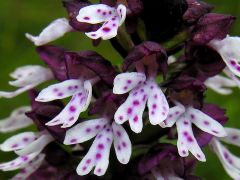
(171, 88)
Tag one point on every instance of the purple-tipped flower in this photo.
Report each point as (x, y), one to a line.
(184, 117)
(105, 133)
(112, 18)
(230, 162)
(26, 78)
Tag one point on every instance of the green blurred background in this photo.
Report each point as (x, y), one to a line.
(20, 16)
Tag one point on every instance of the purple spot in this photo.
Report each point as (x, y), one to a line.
(190, 139)
(120, 118)
(136, 103)
(76, 86)
(97, 126)
(144, 97)
(154, 106)
(135, 119)
(106, 29)
(98, 156)
(73, 140)
(88, 161)
(101, 146)
(14, 145)
(198, 156)
(114, 19)
(129, 110)
(177, 112)
(110, 12)
(152, 87)
(125, 88)
(119, 133)
(155, 96)
(24, 158)
(55, 90)
(84, 168)
(25, 139)
(124, 144)
(170, 115)
(114, 24)
(206, 123)
(88, 130)
(99, 10)
(72, 108)
(70, 88)
(99, 136)
(235, 137)
(71, 118)
(99, 170)
(233, 62)
(104, 13)
(152, 112)
(86, 18)
(129, 81)
(185, 122)
(216, 132)
(60, 94)
(119, 147)
(184, 152)
(192, 116)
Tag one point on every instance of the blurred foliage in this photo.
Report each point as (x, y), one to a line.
(18, 17)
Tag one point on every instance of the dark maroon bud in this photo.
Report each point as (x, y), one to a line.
(212, 26)
(196, 9)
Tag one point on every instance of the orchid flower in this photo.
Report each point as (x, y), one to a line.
(81, 93)
(112, 17)
(228, 48)
(230, 162)
(16, 120)
(184, 117)
(105, 133)
(28, 145)
(53, 31)
(26, 78)
(221, 84)
(142, 91)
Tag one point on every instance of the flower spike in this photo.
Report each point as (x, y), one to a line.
(112, 18)
(27, 77)
(53, 31)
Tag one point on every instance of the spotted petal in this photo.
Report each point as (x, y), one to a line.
(228, 48)
(220, 84)
(122, 143)
(157, 104)
(79, 103)
(122, 12)
(174, 114)
(53, 31)
(16, 120)
(98, 155)
(61, 90)
(30, 168)
(84, 131)
(233, 136)
(230, 162)
(95, 14)
(186, 140)
(205, 122)
(132, 109)
(125, 82)
(36, 146)
(18, 163)
(18, 141)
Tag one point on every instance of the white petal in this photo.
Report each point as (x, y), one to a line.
(17, 120)
(122, 12)
(173, 115)
(107, 31)
(98, 155)
(18, 141)
(220, 84)
(157, 104)
(132, 109)
(36, 146)
(13, 94)
(228, 48)
(18, 163)
(125, 82)
(79, 103)
(95, 14)
(233, 136)
(84, 131)
(61, 90)
(30, 74)
(205, 122)
(32, 166)
(122, 143)
(186, 140)
(53, 31)
(230, 162)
